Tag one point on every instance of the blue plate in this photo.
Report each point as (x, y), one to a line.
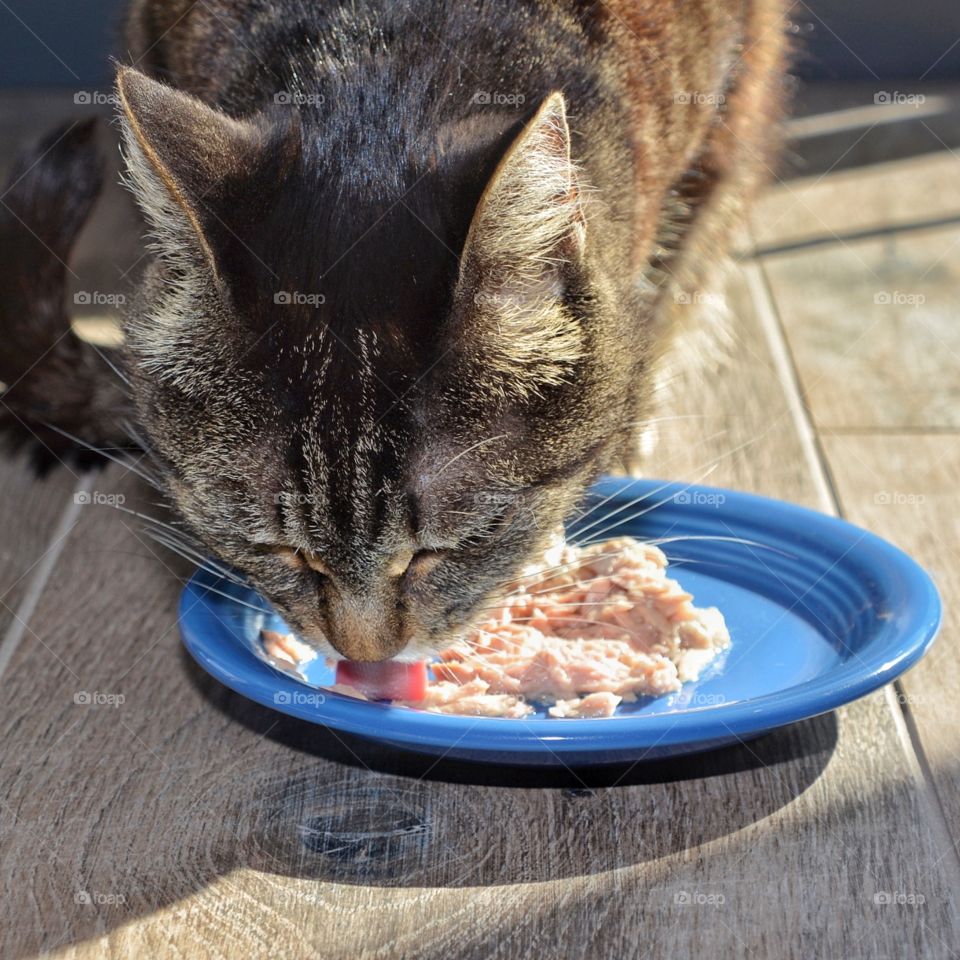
(820, 612)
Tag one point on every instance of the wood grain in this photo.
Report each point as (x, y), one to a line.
(905, 488)
(873, 329)
(881, 197)
(186, 821)
(35, 517)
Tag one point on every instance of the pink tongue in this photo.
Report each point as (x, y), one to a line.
(385, 679)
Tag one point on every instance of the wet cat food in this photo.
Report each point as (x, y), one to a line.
(590, 628)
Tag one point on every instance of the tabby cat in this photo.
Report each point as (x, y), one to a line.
(416, 269)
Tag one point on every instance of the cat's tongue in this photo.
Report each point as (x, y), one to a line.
(385, 679)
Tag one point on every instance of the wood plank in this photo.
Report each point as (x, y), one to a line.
(36, 516)
(187, 821)
(882, 197)
(872, 326)
(730, 422)
(905, 488)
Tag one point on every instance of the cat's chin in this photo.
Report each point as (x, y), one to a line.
(404, 656)
(414, 653)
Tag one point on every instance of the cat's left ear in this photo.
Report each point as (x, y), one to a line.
(530, 216)
(185, 160)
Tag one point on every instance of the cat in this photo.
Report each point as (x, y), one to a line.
(416, 270)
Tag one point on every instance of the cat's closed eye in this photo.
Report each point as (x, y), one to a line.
(299, 559)
(422, 563)
(408, 563)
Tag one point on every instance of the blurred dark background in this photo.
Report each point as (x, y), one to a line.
(66, 43)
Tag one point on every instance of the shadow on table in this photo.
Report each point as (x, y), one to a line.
(353, 811)
(804, 740)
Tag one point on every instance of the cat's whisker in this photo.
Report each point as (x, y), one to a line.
(547, 572)
(581, 534)
(533, 594)
(553, 589)
(525, 595)
(206, 588)
(580, 517)
(587, 620)
(174, 538)
(139, 441)
(654, 421)
(515, 588)
(479, 648)
(195, 549)
(154, 520)
(611, 601)
(713, 466)
(103, 356)
(680, 416)
(707, 536)
(133, 467)
(470, 449)
(193, 557)
(679, 538)
(696, 445)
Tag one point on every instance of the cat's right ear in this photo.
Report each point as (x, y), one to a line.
(184, 160)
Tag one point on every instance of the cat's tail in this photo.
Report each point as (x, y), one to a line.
(53, 385)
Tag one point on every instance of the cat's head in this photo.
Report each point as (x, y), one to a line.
(371, 355)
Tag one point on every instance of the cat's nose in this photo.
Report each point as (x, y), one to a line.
(365, 630)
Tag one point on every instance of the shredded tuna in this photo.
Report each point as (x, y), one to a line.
(286, 651)
(591, 627)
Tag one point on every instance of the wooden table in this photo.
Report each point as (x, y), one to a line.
(145, 810)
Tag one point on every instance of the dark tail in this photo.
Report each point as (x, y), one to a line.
(52, 381)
